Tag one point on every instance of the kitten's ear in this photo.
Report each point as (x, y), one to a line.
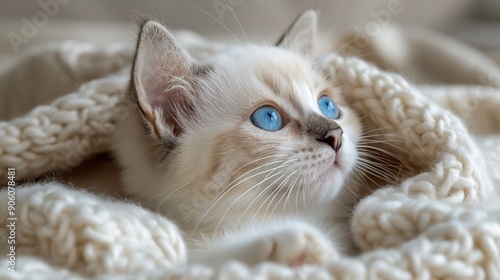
(161, 80)
(301, 35)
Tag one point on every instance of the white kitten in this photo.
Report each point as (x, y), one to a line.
(246, 150)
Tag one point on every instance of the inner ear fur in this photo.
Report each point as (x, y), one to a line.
(161, 82)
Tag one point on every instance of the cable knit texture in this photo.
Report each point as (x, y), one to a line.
(431, 225)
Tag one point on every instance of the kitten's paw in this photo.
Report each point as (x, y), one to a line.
(297, 245)
(291, 244)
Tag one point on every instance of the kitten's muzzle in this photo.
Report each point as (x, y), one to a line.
(333, 138)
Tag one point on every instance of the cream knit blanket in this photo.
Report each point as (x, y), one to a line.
(422, 228)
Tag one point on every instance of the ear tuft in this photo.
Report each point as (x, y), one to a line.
(161, 80)
(301, 35)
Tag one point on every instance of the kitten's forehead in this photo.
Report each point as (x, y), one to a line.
(277, 75)
(289, 79)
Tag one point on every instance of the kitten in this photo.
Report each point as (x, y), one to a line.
(246, 150)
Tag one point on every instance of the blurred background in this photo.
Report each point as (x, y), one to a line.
(476, 22)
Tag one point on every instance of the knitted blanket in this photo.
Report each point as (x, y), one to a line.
(435, 223)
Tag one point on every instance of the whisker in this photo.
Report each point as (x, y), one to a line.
(388, 158)
(256, 198)
(275, 192)
(232, 186)
(366, 167)
(290, 190)
(253, 161)
(253, 187)
(304, 190)
(281, 186)
(208, 14)
(367, 148)
(174, 191)
(357, 167)
(387, 142)
(263, 203)
(354, 196)
(380, 167)
(238, 21)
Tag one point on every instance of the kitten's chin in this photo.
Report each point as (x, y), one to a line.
(337, 169)
(339, 162)
(333, 176)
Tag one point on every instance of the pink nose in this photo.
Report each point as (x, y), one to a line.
(334, 138)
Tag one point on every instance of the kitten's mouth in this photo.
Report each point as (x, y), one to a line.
(337, 161)
(332, 167)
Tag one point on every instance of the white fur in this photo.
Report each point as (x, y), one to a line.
(200, 180)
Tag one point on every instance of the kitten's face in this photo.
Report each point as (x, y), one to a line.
(243, 157)
(261, 133)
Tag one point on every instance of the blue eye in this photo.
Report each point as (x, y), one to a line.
(328, 107)
(267, 118)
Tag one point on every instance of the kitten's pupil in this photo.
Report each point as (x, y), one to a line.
(267, 118)
(328, 107)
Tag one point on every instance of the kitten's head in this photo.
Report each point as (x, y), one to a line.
(249, 133)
